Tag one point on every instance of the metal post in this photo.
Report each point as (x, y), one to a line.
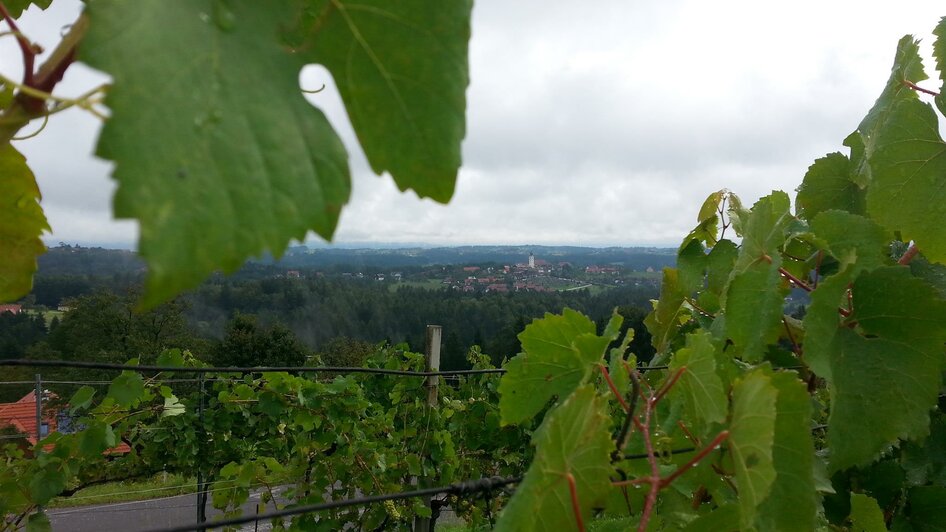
(201, 488)
(39, 407)
(434, 334)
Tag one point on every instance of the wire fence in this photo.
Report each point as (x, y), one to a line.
(465, 488)
(459, 489)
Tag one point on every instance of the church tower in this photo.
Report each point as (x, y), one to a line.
(531, 260)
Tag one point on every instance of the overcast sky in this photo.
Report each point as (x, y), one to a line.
(592, 123)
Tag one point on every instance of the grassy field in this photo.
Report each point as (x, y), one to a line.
(160, 485)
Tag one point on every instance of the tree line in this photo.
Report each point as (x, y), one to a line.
(281, 321)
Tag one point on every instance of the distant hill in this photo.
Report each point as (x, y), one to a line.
(89, 261)
(637, 258)
(68, 260)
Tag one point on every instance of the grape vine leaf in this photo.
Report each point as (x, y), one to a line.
(884, 385)
(907, 66)
(401, 69)
(906, 193)
(560, 351)
(700, 386)
(38, 522)
(664, 322)
(866, 515)
(927, 512)
(244, 163)
(925, 462)
(754, 304)
(707, 221)
(574, 439)
(81, 399)
(46, 484)
(792, 503)
(764, 228)
(691, 267)
(17, 7)
(127, 388)
(939, 54)
(218, 155)
(752, 434)
(754, 298)
(828, 184)
(21, 224)
(723, 518)
(852, 238)
(822, 320)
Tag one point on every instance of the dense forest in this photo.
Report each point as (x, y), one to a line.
(261, 317)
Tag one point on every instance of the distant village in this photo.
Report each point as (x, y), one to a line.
(532, 275)
(538, 275)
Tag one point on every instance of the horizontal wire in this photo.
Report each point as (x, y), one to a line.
(149, 490)
(264, 369)
(99, 507)
(460, 488)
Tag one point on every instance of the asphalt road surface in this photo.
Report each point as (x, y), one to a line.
(160, 513)
(145, 515)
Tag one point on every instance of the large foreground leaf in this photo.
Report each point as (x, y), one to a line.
(884, 385)
(908, 166)
(401, 68)
(573, 439)
(792, 503)
(217, 153)
(752, 433)
(21, 224)
(17, 7)
(219, 156)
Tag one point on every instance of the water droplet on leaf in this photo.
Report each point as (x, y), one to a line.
(223, 16)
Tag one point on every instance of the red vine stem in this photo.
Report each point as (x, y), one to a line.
(573, 489)
(795, 280)
(791, 337)
(908, 256)
(669, 384)
(29, 54)
(614, 389)
(917, 88)
(688, 434)
(696, 459)
(654, 479)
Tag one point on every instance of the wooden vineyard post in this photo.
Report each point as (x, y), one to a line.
(432, 352)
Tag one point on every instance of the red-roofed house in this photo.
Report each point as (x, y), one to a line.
(11, 308)
(21, 416)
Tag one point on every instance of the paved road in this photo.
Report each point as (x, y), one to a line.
(159, 513)
(143, 515)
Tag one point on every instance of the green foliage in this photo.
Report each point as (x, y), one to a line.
(244, 164)
(700, 387)
(868, 357)
(248, 344)
(753, 435)
(560, 354)
(866, 515)
(252, 165)
(573, 440)
(401, 69)
(17, 7)
(722, 431)
(21, 224)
